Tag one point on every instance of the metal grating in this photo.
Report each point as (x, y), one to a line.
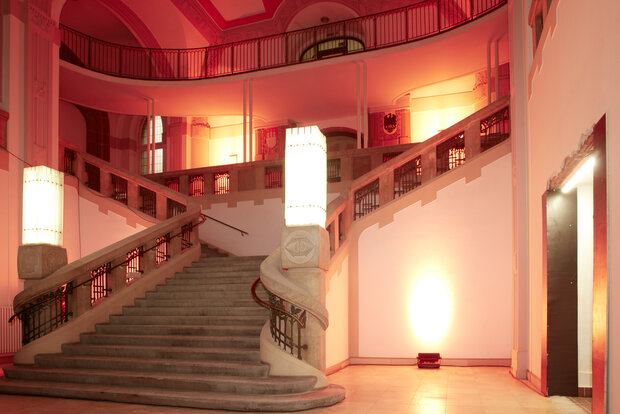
(221, 182)
(451, 153)
(367, 199)
(196, 185)
(408, 176)
(273, 176)
(494, 129)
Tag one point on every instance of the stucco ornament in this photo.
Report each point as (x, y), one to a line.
(299, 246)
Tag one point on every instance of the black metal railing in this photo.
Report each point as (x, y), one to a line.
(48, 311)
(367, 199)
(93, 176)
(333, 170)
(45, 314)
(99, 282)
(149, 202)
(399, 26)
(119, 188)
(174, 208)
(451, 153)
(494, 129)
(196, 185)
(69, 162)
(221, 182)
(161, 247)
(273, 176)
(173, 183)
(286, 321)
(134, 264)
(408, 176)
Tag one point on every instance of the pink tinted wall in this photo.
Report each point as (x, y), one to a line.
(92, 221)
(457, 248)
(72, 127)
(574, 83)
(337, 303)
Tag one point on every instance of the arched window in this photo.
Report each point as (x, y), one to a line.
(332, 47)
(158, 147)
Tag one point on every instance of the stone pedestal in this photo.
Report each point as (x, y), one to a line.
(305, 255)
(36, 261)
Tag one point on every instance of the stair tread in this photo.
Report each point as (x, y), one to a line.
(195, 377)
(151, 360)
(198, 399)
(166, 348)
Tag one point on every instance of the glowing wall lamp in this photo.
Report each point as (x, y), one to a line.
(578, 175)
(306, 177)
(42, 206)
(41, 252)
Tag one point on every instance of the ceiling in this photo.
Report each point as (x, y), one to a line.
(303, 93)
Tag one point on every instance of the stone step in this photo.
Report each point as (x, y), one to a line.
(198, 272)
(176, 340)
(214, 280)
(327, 396)
(154, 352)
(187, 320)
(186, 329)
(196, 303)
(204, 287)
(172, 310)
(167, 366)
(237, 259)
(176, 382)
(244, 294)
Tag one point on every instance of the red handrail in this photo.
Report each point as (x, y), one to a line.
(394, 27)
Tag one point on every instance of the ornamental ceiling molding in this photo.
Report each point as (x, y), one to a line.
(133, 22)
(199, 18)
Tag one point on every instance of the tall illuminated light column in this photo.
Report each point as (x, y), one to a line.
(41, 252)
(305, 242)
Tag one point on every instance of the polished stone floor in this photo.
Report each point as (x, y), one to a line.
(370, 389)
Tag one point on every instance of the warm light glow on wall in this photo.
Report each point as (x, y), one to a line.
(430, 309)
(42, 206)
(305, 175)
(578, 176)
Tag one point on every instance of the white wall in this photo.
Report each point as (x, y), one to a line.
(337, 303)
(575, 83)
(92, 221)
(462, 240)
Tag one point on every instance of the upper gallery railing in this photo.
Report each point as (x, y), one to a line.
(390, 28)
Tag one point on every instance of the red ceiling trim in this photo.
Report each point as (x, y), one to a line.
(270, 7)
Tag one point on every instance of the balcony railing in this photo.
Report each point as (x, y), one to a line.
(394, 27)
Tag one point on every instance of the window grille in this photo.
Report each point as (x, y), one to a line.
(119, 192)
(161, 248)
(93, 177)
(173, 183)
(408, 176)
(196, 185)
(367, 199)
(69, 162)
(333, 170)
(494, 129)
(186, 236)
(148, 202)
(221, 183)
(99, 283)
(133, 266)
(174, 208)
(451, 153)
(273, 176)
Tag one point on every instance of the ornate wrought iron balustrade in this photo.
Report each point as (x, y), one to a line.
(367, 199)
(286, 321)
(404, 25)
(494, 129)
(48, 311)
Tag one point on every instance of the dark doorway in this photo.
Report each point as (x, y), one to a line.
(562, 349)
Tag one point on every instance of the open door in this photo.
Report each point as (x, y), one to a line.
(562, 349)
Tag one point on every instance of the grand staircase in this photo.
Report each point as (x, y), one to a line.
(194, 342)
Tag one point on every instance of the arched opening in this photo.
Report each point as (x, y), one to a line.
(332, 47)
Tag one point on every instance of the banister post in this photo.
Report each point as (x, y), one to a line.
(161, 206)
(472, 140)
(133, 195)
(117, 279)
